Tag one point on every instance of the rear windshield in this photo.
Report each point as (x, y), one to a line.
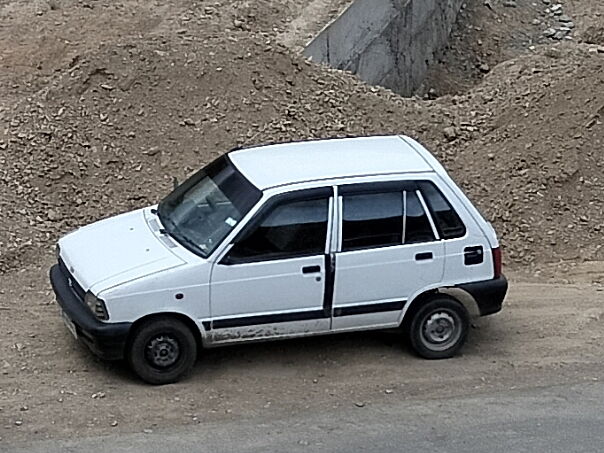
(202, 211)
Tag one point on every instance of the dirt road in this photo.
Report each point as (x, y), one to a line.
(50, 387)
(557, 419)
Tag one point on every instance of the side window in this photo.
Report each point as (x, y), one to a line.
(372, 220)
(417, 225)
(447, 220)
(291, 229)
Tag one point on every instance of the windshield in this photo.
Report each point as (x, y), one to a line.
(201, 212)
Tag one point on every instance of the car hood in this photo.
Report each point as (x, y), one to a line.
(115, 251)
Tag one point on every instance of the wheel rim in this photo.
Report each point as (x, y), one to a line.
(441, 329)
(162, 351)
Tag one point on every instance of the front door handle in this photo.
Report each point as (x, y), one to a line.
(424, 256)
(311, 269)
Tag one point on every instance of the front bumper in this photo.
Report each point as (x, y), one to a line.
(106, 340)
(488, 294)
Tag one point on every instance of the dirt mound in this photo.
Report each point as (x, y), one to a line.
(110, 132)
(535, 167)
(113, 130)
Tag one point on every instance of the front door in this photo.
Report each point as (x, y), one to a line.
(271, 283)
(389, 249)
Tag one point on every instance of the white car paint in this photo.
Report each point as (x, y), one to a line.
(284, 164)
(138, 271)
(115, 251)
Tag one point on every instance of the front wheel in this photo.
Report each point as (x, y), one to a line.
(162, 351)
(439, 328)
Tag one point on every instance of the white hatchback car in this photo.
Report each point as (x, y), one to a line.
(284, 241)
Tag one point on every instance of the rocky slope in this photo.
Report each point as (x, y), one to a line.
(106, 127)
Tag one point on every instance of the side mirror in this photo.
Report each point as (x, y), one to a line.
(175, 182)
(226, 259)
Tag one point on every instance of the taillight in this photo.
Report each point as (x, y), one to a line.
(497, 262)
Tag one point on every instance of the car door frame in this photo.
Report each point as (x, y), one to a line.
(269, 201)
(379, 313)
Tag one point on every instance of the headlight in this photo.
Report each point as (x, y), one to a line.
(97, 306)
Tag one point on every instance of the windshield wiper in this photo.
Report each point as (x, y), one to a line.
(182, 239)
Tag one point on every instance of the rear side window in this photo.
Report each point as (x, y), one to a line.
(447, 221)
(372, 220)
(417, 224)
(411, 215)
(291, 229)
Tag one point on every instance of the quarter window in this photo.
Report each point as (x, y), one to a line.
(372, 220)
(291, 229)
(447, 220)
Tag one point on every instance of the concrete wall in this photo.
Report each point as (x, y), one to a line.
(387, 42)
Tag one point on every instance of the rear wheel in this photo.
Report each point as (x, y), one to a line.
(439, 328)
(162, 351)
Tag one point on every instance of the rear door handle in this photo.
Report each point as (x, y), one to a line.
(424, 256)
(311, 269)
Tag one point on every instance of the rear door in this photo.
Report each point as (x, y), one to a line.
(272, 281)
(388, 249)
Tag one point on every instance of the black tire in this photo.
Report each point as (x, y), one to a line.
(439, 328)
(162, 351)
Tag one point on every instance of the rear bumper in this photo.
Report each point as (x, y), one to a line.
(106, 340)
(488, 294)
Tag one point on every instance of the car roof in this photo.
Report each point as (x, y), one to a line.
(290, 163)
